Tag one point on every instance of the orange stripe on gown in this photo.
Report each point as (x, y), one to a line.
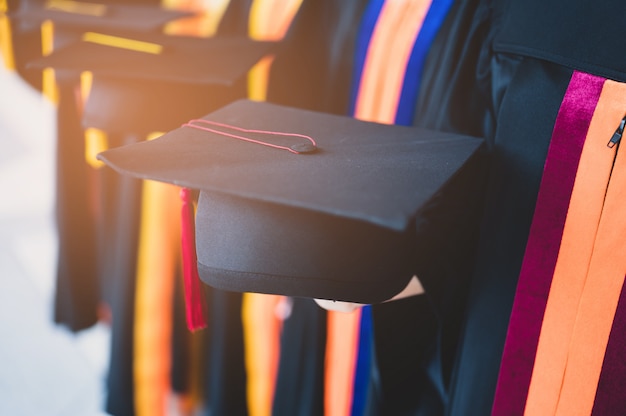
(584, 294)
(390, 48)
(158, 257)
(269, 20)
(342, 342)
(574, 256)
(394, 35)
(262, 348)
(603, 286)
(157, 260)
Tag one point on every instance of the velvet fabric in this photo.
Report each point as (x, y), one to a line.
(522, 98)
(544, 240)
(611, 397)
(522, 121)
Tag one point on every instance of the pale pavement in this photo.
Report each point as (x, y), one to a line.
(44, 369)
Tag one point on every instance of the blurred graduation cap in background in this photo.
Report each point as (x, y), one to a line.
(154, 56)
(139, 75)
(307, 204)
(91, 15)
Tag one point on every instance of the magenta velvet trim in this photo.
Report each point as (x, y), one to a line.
(611, 393)
(544, 240)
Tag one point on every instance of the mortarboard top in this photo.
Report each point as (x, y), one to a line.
(100, 16)
(151, 56)
(337, 223)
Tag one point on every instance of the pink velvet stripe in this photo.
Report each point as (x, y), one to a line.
(611, 394)
(543, 244)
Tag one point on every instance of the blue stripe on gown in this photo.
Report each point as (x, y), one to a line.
(404, 116)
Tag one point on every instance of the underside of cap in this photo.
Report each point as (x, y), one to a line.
(252, 246)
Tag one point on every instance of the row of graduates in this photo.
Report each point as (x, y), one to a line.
(522, 309)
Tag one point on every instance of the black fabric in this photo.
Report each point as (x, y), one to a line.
(119, 238)
(585, 35)
(251, 246)
(120, 105)
(225, 391)
(516, 105)
(405, 337)
(381, 174)
(300, 379)
(454, 94)
(524, 127)
(133, 108)
(312, 70)
(181, 342)
(513, 101)
(427, 328)
(77, 291)
(313, 66)
(334, 224)
(444, 255)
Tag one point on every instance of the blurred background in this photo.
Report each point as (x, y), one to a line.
(44, 368)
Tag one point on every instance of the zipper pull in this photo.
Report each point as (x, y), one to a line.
(617, 136)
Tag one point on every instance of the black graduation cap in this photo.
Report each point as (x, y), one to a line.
(153, 56)
(329, 212)
(83, 14)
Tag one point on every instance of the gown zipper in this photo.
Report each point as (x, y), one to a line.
(619, 132)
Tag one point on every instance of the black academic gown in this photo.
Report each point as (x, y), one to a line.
(526, 54)
(414, 339)
(128, 110)
(312, 70)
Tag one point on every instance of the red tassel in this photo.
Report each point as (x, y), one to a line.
(194, 297)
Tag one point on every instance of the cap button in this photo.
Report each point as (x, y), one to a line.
(303, 147)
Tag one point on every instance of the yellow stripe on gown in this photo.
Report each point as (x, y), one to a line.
(262, 328)
(158, 260)
(205, 24)
(159, 238)
(49, 86)
(269, 20)
(6, 38)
